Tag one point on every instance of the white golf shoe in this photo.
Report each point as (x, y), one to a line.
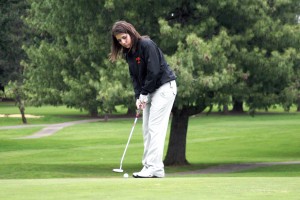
(148, 173)
(136, 173)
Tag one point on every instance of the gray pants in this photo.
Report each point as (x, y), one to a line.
(155, 124)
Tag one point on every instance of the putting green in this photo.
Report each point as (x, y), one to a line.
(167, 188)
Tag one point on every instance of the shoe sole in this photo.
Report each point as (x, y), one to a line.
(137, 176)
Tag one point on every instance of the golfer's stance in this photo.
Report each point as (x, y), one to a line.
(155, 90)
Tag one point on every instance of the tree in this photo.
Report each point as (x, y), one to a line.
(247, 37)
(272, 33)
(61, 66)
(204, 77)
(12, 35)
(7, 22)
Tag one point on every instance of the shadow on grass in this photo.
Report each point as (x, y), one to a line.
(288, 168)
(35, 171)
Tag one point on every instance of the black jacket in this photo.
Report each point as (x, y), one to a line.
(147, 67)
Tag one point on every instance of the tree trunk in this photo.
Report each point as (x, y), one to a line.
(177, 142)
(131, 110)
(1, 87)
(93, 111)
(21, 106)
(22, 110)
(237, 106)
(298, 104)
(225, 109)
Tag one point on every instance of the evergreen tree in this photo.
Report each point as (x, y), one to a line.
(61, 69)
(13, 34)
(246, 50)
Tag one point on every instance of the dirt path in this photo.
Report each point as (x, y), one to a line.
(48, 129)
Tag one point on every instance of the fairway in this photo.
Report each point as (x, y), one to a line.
(168, 188)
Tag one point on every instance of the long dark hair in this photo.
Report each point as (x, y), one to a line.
(122, 27)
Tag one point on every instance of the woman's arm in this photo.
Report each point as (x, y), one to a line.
(152, 62)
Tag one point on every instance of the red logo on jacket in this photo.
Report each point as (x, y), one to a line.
(138, 60)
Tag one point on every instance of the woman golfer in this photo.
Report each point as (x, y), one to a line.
(155, 90)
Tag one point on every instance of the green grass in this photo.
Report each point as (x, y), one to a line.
(175, 188)
(77, 162)
(93, 149)
(244, 139)
(49, 114)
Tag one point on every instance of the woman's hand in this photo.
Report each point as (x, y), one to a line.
(141, 102)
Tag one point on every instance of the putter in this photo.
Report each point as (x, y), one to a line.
(120, 170)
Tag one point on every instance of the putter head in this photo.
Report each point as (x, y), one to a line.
(118, 170)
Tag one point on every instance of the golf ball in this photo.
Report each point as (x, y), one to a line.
(125, 175)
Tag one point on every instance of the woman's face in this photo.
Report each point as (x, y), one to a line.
(124, 39)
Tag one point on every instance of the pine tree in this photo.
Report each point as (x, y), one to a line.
(245, 50)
